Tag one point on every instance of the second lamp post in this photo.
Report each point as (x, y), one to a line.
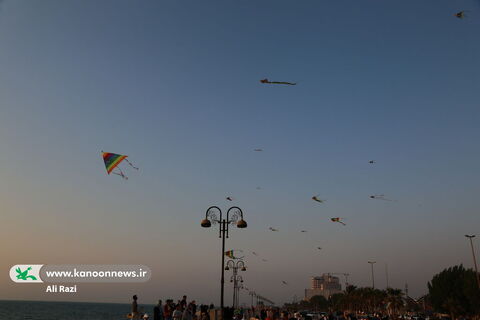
(236, 279)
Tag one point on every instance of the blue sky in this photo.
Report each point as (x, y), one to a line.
(175, 85)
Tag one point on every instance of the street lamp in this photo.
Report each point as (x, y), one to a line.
(214, 216)
(235, 266)
(237, 285)
(252, 293)
(474, 259)
(373, 278)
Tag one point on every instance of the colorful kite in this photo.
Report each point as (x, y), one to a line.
(112, 160)
(339, 220)
(277, 82)
(233, 254)
(316, 198)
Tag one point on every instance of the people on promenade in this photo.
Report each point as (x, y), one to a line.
(134, 314)
(193, 306)
(187, 313)
(183, 302)
(263, 314)
(177, 313)
(158, 311)
(168, 310)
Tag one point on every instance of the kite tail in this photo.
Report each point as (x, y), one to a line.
(120, 173)
(131, 165)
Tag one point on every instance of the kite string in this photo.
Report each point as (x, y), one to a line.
(131, 165)
(120, 173)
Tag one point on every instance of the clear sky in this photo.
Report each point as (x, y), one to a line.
(175, 85)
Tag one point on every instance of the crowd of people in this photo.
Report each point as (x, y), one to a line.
(272, 313)
(181, 310)
(184, 310)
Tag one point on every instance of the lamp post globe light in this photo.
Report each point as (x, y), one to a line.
(214, 215)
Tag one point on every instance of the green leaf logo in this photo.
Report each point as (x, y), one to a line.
(23, 275)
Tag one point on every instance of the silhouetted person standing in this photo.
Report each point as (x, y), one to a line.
(158, 311)
(135, 314)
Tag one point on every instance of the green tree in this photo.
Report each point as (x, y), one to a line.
(454, 291)
(336, 301)
(319, 303)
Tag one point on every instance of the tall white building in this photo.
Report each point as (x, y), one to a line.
(326, 285)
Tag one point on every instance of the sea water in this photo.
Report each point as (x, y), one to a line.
(38, 310)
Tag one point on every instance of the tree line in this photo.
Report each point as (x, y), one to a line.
(454, 291)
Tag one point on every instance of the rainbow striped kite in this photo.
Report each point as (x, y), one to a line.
(232, 255)
(112, 160)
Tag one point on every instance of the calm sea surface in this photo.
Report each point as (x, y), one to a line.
(35, 310)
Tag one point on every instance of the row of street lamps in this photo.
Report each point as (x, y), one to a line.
(236, 279)
(470, 237)
(214, 215)
(234, 215)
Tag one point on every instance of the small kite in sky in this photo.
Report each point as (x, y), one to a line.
(278, 82)
(372, 161)
(272, 229)
(316, 198)
(234, 254)
(258, 188)
(339, 220)
(460, 15)
(254, 253)
(303, 231)
(319, 248)
(258, 150)
(284, 282)
(264, 260)
(112, 160)
(379, 197)
(229, 198)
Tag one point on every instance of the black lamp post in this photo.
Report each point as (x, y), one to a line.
(236, 279)
(373, 277)
(252, 293)
(470, 237)
(237, 285)
(211, 217)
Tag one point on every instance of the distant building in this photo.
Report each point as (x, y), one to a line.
(326, 285)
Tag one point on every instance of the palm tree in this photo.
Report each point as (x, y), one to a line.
(394, 300)
(350, 297)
